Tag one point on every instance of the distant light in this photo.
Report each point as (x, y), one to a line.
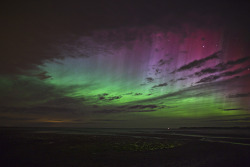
(203, 46)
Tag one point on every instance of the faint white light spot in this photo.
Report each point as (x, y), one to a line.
(203, 46)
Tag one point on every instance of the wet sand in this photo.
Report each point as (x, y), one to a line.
(18, 148)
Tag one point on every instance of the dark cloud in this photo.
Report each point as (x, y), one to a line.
(102, 96)
(162, 62)
(193, 91)
(142, 111)
(198, 63)
(149, 79)
(239, 95)
(148, 107)
(114, 98)
(225, 74)
(239, 61)
(157, 71)
(142, 106)
(209, 79)
(160, 85)
(133, 108)
(110, 111)
(229, 64)
(231, 109)
(105, 97)
(181, 79)
(207, 71)
(230, 73)
(222, 67)
(160, 107)
(43, 75)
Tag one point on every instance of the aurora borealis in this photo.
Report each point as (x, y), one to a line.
(174, 69)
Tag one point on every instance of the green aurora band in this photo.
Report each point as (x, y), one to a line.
(154, 76)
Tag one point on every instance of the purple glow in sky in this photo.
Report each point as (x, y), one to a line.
(143, 65)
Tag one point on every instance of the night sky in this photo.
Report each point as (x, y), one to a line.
(125, 64)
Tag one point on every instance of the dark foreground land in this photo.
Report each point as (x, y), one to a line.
(28, 148)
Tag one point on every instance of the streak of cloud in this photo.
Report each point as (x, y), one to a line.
(198, 63)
